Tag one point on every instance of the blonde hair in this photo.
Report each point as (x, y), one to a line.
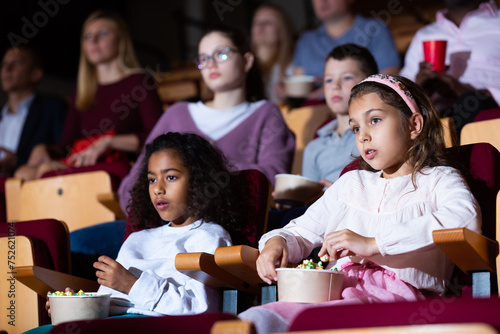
(87, 75)
(284, 52)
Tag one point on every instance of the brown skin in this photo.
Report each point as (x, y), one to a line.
(9, 161)
(113, 275)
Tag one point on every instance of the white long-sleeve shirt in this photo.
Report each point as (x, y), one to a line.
(160, 288)
(400, 218)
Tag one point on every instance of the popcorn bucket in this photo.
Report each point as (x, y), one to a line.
(299, 85)
(91, 305)
(309, 285)
(295, 189)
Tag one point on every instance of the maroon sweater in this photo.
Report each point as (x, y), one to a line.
(128, 106)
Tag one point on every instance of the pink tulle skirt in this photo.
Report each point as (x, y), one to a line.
(366, 283)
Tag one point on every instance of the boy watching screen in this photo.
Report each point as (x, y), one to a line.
(327, 155)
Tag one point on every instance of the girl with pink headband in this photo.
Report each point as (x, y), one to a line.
(375, 223)
(399, 87)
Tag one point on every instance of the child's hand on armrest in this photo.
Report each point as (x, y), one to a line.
(113, 275)
(275, 252)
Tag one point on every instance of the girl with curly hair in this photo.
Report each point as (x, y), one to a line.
(185, 200)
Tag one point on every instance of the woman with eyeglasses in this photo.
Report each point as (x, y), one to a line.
(249, 130)
(114, 107)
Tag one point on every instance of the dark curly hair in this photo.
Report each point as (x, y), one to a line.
(214, 195)
(428, 149)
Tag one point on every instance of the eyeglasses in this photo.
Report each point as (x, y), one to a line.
(219, 56)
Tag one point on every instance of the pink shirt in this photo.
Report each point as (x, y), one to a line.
(473, 50)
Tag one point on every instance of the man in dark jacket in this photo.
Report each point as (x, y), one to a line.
(27, 118)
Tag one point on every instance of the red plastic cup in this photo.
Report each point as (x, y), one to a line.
(435, 53)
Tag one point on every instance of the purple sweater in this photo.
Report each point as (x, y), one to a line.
(128, 106)
(262, 141)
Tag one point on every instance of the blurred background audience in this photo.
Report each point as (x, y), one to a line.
(470, 84)
(27, 118)
(272, 39)
(340, 24)
(113, 109)
(165, 33)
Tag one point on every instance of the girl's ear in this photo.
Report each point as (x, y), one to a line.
(416, 125)
(249, 59)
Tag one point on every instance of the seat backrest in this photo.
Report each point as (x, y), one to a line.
(21, 307)
(53, 236)
(482, 165)
(487, 114)
(452, 328)
(117, 170)
(449, 132)
(186, 324)
(498, 239)
(259, 188)
(303, 122)
(481, 131)
(179, 85)
(3, 207)
(429, 311)
(71, 198)
(43, 243)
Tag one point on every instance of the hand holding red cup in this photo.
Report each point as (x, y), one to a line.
(435, 54)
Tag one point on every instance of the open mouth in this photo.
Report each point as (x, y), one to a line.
(370, 153)
(161, 204)
(336, 98)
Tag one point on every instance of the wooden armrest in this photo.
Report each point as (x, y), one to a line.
(202, 267)
(233, 326)
(42, 280)
(469, 250)
(110, 201)
(240, 261)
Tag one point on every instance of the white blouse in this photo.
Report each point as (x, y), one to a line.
(399, 217)
(161, 289)
(216, 123)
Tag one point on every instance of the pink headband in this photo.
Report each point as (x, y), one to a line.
(394, 83)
